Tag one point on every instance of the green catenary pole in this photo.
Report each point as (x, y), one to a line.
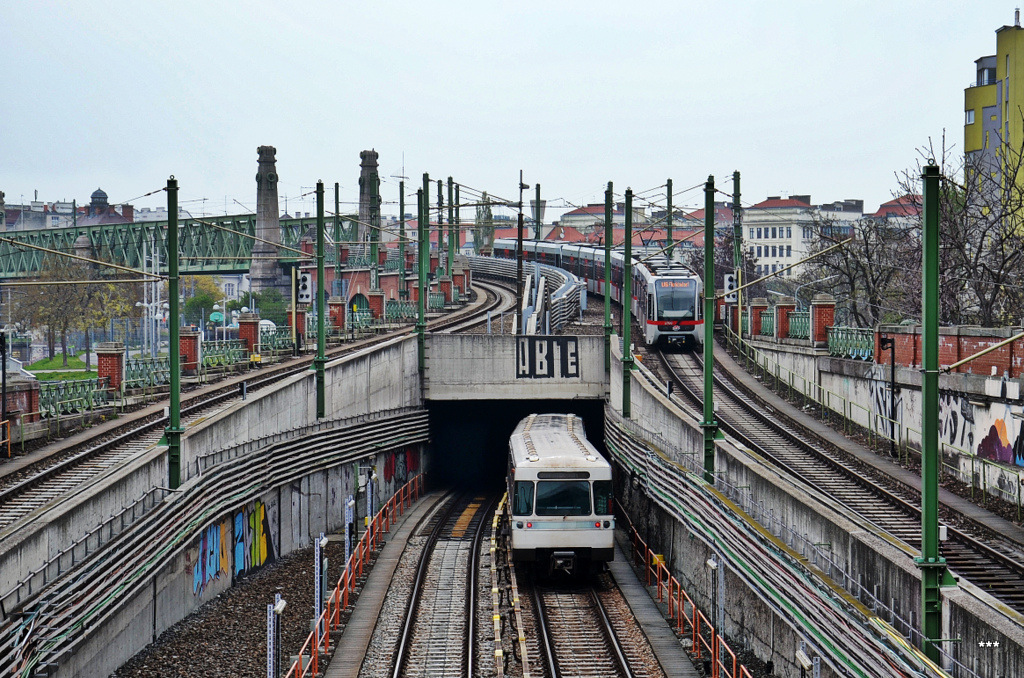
(458, 222)
(933, 566)
(440, 223)
(172, 433)
(337, 237)
(321, 326)
(709, 425)
(453, 236)
(422, 260)
(536, 215)
(627, 303)
(668, 219)
(401, 238)
(608, 278)
(737, 245)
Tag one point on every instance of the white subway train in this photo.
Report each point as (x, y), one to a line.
(667, 297)
(560, 496)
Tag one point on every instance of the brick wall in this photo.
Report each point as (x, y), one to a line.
(955, 344)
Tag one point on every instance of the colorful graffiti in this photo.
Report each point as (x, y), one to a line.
(252, 542)
(243, 538)
(996, 445)
(881, 398)
(210, 557)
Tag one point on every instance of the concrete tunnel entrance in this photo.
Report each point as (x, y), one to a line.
(469, 445)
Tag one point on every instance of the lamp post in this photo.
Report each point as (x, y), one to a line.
(887, 342)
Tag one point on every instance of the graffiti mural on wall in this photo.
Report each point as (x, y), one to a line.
(209, 560)
(252, 538)
(881, 399)
(956, 420)
(243, 537)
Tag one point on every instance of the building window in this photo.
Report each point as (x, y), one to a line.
(775, 251)
(969, 120)
(751, 234)
(758, 251)
(789, 250)
(789, 231)
(759, 232)
(775, 267)
(774, 233)
(751, 251)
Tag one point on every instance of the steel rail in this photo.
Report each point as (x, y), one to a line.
(547, 643)
(474, 578)
(613, 639)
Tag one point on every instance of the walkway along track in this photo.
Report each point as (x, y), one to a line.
(439, 633)
(56, 479)
(52, 626)
(891, 509)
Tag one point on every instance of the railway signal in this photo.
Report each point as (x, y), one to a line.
(305, 295)
(730, 288)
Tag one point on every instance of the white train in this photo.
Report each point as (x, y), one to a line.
(560, 495)
(667, 296)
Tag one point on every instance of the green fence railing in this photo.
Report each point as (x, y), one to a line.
(800, 325)
(857, 343)
(224, 353)
(396, 309)
(768, 323)
(745, 322)
(435, 301)
(147, 372)
(68, 397)
(277, 339)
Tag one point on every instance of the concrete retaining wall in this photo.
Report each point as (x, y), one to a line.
(498, 367)
(884, 569)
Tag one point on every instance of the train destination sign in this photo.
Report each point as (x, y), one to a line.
(547, 358)
(676, 284)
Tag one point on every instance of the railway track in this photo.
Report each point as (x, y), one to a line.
(57, 476)
(439, 634)
(990, 565)
(585, 629)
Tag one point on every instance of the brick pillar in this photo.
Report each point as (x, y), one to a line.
(410, 259)
(823, 316)
(22, 399)
(785, 306)
(110, 362)
(445, 285)
(434, 261)
(469, 281)
(344, 254)
(336, 312)
(300, 328)
(414, 293)
(376, 302)
(249, 331)
(382, 256)
(756, 306)
(188, 345)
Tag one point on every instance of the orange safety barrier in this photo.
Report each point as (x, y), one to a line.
(688, 620)
(319, 641)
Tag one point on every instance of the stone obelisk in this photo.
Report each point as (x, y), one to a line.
(264, 272)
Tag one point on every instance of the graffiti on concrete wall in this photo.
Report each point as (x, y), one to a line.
(209, 558)
(881, 399)
(252, 544)
(956, 420)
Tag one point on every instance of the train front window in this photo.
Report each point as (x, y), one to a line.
(563, 498)
(522, 498)
(677, 299)
(602, 497)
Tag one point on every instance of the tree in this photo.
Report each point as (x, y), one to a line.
(59, 306)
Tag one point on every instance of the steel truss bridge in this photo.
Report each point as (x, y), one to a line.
(203, 248)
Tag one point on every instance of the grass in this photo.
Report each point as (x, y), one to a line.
(64, 376)
(57, 363)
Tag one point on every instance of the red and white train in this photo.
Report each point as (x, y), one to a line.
(667, 297)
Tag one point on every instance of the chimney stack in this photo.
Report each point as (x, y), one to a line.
(1016, 17)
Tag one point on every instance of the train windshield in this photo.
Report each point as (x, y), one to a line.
(522, 498)
(677, 299)
(603, 497)
(563, 498)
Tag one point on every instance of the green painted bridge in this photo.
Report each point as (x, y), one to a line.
(207, 245)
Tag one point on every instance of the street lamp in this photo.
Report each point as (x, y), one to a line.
(887, 342)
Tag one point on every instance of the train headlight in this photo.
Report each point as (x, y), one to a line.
(607, 524)
(519, 524)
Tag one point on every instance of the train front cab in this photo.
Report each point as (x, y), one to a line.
(676, 312)
(562, 520)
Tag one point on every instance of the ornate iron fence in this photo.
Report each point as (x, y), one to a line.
(67, 397)
(768, 323)
(395, 309)
(800, 325)
(435, 301)
(224, 353)
(851, 342)
(277, 339)
(146, 372)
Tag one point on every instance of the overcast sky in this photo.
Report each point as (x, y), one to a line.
(822, 98)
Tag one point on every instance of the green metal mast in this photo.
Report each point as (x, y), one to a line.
(709, 424)
(321, 326)
(627, 304)
(536, 217)
(337, 237)
(440, 223)
(608, 278)
(453, 236)
(737, 246)
(458, 222)
(933, 566)
(374, 229)
(423, 259)
(401, 237)
(668, 218)
(172, 434)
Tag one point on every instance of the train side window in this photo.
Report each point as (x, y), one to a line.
(522, 501)
(602, 497)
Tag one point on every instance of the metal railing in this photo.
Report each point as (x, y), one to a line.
(224, 353)
(799, 324)
(146, 372)
(565, 301)
(435, 301)
(276, 340)
(856, 343)
(768, 323)
(69, 397)
(745, 322)
(396, 309)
